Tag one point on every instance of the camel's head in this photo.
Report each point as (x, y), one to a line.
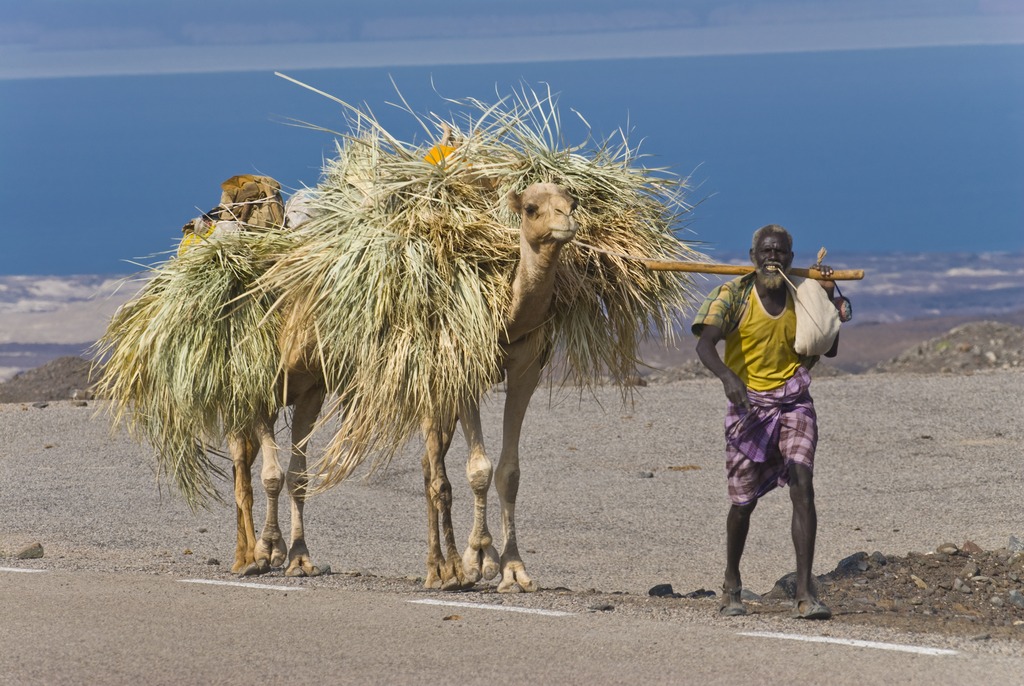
(546, 211)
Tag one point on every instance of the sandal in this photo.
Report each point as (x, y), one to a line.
(732, 605)
(811, 609)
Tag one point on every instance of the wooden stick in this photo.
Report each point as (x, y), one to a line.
(739, 270)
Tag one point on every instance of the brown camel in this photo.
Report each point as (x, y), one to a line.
(301, 387)
(546, 211)
(547, 224)
(304, 390)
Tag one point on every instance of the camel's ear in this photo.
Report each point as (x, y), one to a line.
(515, 201)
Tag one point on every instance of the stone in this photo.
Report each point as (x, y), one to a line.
(663, 591)
(785, 588)
(970, 569)
(971, 548)
(947, 549)
(1016, 598)
(851, 565)
(33, 551)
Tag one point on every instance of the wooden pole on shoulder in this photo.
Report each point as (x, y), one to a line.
(739, 270)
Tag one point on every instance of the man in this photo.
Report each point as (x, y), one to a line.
(770, 426)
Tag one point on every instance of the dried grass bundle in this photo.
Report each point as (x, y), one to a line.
(404, 273)
(194, 356)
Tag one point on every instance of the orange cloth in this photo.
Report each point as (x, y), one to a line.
(439, 153)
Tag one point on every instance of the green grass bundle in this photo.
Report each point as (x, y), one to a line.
(194, 356)
(405, 271)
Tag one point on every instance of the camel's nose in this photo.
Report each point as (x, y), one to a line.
(566, 232)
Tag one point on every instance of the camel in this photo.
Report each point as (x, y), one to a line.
(546, 211)
(547, 224)
(301, 386)
(304, 390)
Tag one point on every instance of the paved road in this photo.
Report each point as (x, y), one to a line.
(613, 501)
(111, 628)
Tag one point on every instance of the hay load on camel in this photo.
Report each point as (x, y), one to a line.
(193, 357)
(404, 271)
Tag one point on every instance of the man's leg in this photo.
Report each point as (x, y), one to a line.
(737, 524)
(805, 530)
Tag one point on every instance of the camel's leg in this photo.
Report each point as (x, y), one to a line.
(307, 409)
(270, 548)
(522, 381)
(444, 570)
(480, 559)
(243, 453)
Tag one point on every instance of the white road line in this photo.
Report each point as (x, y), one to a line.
(851, 642)
(242, 584)
(483, 606)
(24, 571)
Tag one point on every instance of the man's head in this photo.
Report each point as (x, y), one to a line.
(771, 251)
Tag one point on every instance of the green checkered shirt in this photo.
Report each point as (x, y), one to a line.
(724, 306)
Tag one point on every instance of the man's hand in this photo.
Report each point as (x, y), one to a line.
(735, 390)
(826, 282)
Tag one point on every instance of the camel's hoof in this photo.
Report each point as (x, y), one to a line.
(515, 580)
(258, 567)
(240, 566)
(454, 576)
(480, 563)
(447, 575)
(490, 565)
(272, 551)
(456, 584)
(302, 567)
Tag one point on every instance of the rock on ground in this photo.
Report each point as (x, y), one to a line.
(61, 379)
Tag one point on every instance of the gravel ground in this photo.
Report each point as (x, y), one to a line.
(614, 501)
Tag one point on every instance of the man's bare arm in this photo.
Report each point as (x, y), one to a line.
(735, 390)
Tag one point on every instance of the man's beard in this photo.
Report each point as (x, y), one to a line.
(769, 278)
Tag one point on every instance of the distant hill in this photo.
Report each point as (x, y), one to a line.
(965, 348)
(915, 296)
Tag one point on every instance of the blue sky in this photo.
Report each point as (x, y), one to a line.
(886, 125)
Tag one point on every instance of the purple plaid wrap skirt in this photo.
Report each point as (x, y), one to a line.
(780, 429)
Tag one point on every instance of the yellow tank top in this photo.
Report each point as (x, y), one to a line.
(760, 350)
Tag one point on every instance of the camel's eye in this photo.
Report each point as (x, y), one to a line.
(531, 210)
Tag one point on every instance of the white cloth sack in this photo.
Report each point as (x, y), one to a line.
(817, 320)
(298, 210)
